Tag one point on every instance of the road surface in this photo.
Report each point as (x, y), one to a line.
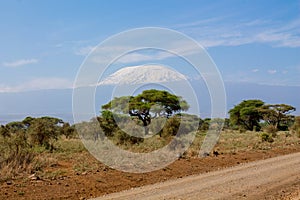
(264, 179)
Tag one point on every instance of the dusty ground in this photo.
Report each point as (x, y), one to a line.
(256, 180)
(101, 180)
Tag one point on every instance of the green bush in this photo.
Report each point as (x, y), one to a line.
(15, 155)
(204, 124)
(20, 142)
(171, 127)
(68, 131)
(108, 123)
(123, 138)
(44, 131)
(296, 126)
(265, 137)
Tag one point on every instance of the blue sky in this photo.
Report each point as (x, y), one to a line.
(43, 43)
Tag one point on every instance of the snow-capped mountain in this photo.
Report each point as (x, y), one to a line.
(58, 103)
(143, 74)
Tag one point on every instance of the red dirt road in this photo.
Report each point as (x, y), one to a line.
(264, 179)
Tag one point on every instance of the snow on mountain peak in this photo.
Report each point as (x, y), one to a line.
(143, 74)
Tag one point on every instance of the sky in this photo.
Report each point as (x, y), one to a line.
(44, 43)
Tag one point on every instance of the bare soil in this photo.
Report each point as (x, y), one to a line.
(264, 179)
(102, 180)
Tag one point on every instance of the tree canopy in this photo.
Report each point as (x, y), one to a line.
(147, 105)
(246, 114)
(277, 115)
(36, 131)
(249, 113)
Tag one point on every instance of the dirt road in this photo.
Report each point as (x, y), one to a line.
(266, 179)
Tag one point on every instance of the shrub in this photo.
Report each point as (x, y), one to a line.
(265, 137)
(124, 138)
(15, 155)
(171, 127)
(204, 124)
(242, 130)
(157, 125)
(19, 142)
(108, 123)
(68, 131)
(44, 132)
(271, 129)
(296, 126)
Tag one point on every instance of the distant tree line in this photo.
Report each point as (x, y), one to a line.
(42, 131)
(157, 112)
(151, 112)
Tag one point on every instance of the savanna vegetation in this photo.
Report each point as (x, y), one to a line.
(22, 142)
(153, 118)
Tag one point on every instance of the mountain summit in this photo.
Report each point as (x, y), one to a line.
(143, 74)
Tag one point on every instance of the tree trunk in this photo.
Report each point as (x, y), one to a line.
(146, 130)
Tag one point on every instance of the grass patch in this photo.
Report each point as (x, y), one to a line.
(52, 174)
(73, 153)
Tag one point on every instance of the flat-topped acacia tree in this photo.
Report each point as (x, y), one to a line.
(147, 105)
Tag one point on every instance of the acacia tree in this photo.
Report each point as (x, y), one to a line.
(147, 105)
(246, 114)
(43, 130)
(277, 115)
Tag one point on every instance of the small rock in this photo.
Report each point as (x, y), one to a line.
(105, 169)
(205, 154)
(31, 176)
(9, 183)
(34, 177)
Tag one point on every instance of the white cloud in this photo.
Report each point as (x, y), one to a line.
(199, 22)
(139, 57)
(38, 84)
(19, 63)
(272, 71)
(255, 70)
(223, 33)
(104, 55)
(256, 22)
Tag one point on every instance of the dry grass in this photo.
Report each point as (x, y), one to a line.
(233, 141)
(73, 151)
